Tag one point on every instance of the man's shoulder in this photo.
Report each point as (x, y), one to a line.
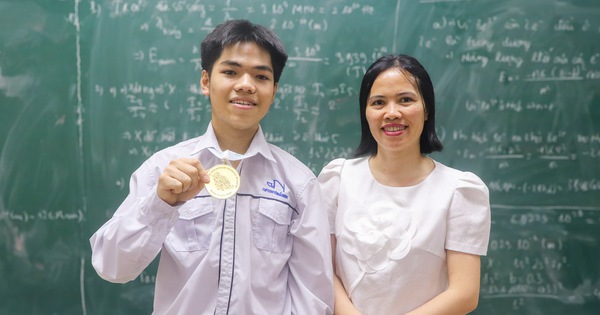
(289, 162)
(180, 149)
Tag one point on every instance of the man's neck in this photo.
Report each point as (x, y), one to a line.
(237, 141)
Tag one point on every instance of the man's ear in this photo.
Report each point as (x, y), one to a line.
(204, 83)
(274, 92)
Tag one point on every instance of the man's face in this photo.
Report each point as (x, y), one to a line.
(241, 88)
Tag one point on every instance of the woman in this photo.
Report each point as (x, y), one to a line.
(407, 231)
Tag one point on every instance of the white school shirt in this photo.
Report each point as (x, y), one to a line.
(391, 242)
(266, 250)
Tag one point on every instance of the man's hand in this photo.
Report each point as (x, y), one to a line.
(181, 180)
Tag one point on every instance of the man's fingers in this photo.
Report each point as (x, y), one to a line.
(204, 177)
(186, 174)
(174, 182)
(202, 174)
(181, 180)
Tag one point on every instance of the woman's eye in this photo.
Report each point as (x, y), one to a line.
(377, 103)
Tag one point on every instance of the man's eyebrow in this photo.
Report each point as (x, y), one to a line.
(264, 68)
(236, 64)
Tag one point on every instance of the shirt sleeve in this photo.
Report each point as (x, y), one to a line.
(126, 244)
(311, 272)
(469, 218)
(329, 184)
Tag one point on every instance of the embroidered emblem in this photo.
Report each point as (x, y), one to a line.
(276, 188)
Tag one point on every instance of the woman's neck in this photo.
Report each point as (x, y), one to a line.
(400, 170)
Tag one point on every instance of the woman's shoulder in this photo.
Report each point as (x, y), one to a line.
(336, 165)
(330, 176)
(461, 178)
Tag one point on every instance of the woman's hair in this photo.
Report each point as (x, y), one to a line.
(429, 141)
(242, 31)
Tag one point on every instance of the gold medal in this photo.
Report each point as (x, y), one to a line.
(224, 181)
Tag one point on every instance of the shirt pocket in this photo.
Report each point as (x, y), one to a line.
(271, 226)
(193, 229)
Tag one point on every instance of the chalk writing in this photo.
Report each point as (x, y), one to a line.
(516, 87)
(535, 264)
(43, 215)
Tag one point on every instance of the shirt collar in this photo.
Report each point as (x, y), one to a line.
(259, 144)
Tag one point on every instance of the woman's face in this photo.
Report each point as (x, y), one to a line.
(395, 112)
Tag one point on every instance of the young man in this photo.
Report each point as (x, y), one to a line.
(261, 249)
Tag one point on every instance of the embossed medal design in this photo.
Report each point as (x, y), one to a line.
(224, 181)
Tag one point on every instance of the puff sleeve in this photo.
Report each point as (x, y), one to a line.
(469, 217)
(329, 184)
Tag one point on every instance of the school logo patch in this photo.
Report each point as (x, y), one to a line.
(276, 187)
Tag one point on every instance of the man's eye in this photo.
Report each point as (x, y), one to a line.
(263, 77)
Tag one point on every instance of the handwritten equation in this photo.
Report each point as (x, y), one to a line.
(512, 44)
(76, 216)
(499, 49)
(537, 260)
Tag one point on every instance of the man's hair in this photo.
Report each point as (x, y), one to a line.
(242, 31)
(429, 141)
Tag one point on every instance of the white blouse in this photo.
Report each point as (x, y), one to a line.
(392, 241)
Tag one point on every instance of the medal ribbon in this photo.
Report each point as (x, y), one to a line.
(227, 156)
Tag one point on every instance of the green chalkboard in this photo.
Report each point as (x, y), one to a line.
(89, 89)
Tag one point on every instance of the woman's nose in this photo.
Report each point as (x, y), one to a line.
(393, 111)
